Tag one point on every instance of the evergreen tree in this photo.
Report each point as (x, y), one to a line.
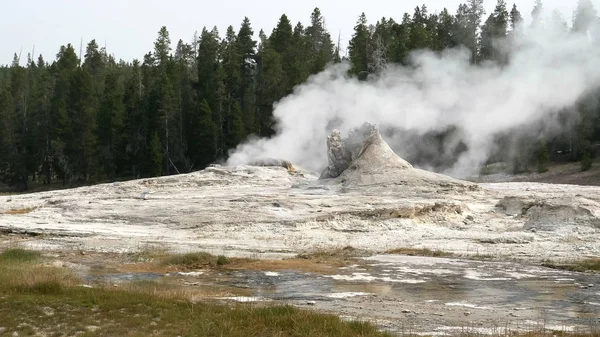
(475, 13)
(270, 84)
(281, 38)
(40, 120)
(494, 29)
(110, 128)
(162, 46)
(81, 110)
(536, 13)
(559, 22)
(542, 156)
(247, 50)
(281, 42)
(135, 122)
(206, 137)
(61, 130)
(210, 83)
(584, 16)
(301, 56)
(320, 41)
(462, 34)
(155, 155)
(359, 48)
(444, 32)
(398, 48)
(515, 18)
(233, 125)
(93, 60)
(183, 74)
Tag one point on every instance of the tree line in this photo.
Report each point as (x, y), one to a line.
(80, 119)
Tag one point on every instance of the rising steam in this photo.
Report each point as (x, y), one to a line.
(548, 70)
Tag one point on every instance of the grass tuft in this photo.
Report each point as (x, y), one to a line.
(584, 265)
(19, 255)
(340, 255)
(222, 260)
(420, 252)
(49, 287)
(149, 253)
(197, 260)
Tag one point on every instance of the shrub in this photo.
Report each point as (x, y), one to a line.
(586, 162)
(222, 260)
(543, 157)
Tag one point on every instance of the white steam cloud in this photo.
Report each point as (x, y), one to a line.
(549, 70)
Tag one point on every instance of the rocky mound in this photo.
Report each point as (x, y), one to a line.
(364, 158)
(550, 214)
(363, 150)
(274, 162)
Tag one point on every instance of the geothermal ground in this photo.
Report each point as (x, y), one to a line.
(268, 212)
(277, 213)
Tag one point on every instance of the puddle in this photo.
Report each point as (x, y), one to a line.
(245, 299)
(467, 305)
(450, 292)
(430, 293)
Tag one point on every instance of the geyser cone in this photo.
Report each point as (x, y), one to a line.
(364, 158)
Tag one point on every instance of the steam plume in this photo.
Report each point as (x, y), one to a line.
(548, 70)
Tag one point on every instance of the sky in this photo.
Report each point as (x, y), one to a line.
(128, 28)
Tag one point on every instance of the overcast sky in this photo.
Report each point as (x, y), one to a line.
(129, 27)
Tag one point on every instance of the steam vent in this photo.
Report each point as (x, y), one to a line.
(365, 159)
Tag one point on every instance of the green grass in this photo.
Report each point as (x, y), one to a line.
(39, 300)
(222, 260)
(18, 255)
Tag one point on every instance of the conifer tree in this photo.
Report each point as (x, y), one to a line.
(515, 18)
(247, 51)
(359, 48)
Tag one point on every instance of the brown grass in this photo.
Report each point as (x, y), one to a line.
(149, 253)
(173, 290)
(318, 261)
(419, 252)
(336, 257)
(322, 266)
(584, 265)
(20, 211)
(20, 272)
